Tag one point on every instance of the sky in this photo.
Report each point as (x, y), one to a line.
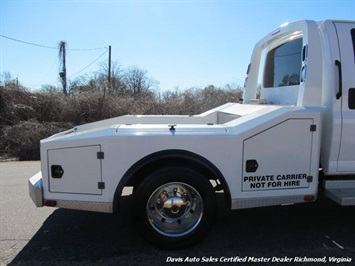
(181, 44)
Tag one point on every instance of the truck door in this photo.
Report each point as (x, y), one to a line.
(346, 94)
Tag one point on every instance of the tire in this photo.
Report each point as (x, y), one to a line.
(174, 207)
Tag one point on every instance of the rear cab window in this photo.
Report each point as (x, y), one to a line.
(283, 65)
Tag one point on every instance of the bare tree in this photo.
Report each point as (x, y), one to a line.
(49, 88)
(117, 83)
(6, 78)
(137, 81)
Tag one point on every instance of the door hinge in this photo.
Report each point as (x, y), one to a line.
(313, 128)
(100, 155)
(309, 179)
(101, 185)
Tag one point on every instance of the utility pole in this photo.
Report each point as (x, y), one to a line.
(63, 73)
(109, 63)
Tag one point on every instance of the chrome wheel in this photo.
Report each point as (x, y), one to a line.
(174, 209)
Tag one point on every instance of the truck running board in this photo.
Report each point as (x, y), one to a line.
(340, 191)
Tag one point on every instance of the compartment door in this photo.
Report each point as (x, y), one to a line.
(75, 170)
(279, 157)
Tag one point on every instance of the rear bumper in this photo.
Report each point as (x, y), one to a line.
(35, 187)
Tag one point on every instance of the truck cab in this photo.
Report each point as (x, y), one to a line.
(309, 63)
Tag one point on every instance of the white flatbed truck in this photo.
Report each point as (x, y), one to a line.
(266, 151)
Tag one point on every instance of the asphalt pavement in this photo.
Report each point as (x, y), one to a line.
(295, 234)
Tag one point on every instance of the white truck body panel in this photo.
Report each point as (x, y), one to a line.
(346, 157)
(319, 84)
(338, 144)
(82, 174)
(253, 131)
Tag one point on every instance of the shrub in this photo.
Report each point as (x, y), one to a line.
(26, 118)
(13, 104)
(22, 140)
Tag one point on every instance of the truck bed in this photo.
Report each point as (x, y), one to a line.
(221, 115)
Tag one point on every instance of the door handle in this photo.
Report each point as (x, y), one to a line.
(340, 91)
(351, 99)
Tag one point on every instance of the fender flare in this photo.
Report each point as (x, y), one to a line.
(174, 156)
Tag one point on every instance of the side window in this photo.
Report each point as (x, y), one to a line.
(283, 65)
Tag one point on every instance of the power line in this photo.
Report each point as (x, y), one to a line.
(57, 48)
(89, 64)
(38, 45)
(43, 78)
(52, 83)
(50, 47)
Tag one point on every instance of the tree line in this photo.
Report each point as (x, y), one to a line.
(28, 116)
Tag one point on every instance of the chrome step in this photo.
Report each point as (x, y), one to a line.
(340, 191)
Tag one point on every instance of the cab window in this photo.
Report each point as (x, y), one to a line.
(283, 65)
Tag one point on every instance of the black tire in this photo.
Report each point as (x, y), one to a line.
(174, 207)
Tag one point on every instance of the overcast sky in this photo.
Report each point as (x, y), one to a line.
(180, 43)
